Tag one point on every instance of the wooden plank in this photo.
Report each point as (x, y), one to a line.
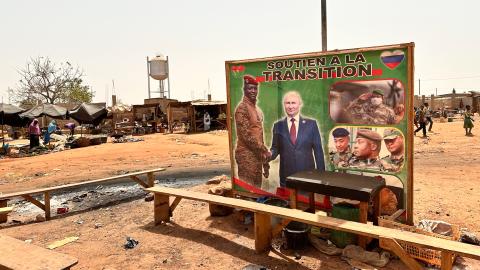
(150, 179)
(6, 210)
(175, 203)
(263, 232)
(459, 248)
(96, 181)
(46, 197)
(392, 245)
(17, 254)
(362, 218)
(395, 215)
(3, 216)
(161, 208)
(447, 260)
(409, 140)
(293, 198)
(139, 181)
(34, 201)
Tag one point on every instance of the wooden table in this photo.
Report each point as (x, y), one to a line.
(343, 185)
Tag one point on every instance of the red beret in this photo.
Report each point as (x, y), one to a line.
(247, 79)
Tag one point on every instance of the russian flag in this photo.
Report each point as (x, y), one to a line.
(392, 59)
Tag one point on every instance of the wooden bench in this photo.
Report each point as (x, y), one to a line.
(163, 209)
(16, 254)
(45, 206)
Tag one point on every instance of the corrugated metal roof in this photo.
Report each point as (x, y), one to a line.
(207, 102)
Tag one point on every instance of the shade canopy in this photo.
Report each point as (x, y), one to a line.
(51, 110)
(89, 113)
(9, 115)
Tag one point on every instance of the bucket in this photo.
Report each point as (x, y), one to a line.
(276, 202)
(346, 212)
(296, 234)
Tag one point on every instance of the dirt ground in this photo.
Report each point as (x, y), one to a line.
(445, 188)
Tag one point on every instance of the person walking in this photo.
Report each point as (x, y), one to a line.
(428, 117)
(421, 121)
(468, 121)
(34, 134)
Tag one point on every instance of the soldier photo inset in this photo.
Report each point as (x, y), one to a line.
(251, 154)
(369, 108)
(393, 140)
(343, 153)
(370, 102)
(366, 150)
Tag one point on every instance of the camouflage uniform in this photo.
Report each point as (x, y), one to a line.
(392, 164)
(366, 113)
(250, 146)
(369, 164)
(341, 159)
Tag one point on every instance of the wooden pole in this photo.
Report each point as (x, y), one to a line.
(263, 232)
(47, 205)
(161, 208)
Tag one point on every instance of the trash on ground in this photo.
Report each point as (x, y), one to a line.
(131, 243)
(63, 242)
(372, 258)
(323, 246)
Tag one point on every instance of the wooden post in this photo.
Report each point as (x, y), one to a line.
(3, 217)
(161, 208)
(47, 205)
(447, 260)
(392, 245)
(311, 202)
(377, 206)
(263, 232)
(362, 218)
(293, 198)
(150, 179)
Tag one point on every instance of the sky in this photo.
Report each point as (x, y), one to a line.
(110, 40)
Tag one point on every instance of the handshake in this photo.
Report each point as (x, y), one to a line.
(266, 157)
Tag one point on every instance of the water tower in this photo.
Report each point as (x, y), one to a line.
(158, 69)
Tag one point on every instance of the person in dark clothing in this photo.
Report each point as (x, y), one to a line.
(428, 117)
(34, 134)
(421, 121)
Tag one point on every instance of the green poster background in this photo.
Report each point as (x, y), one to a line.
(315, 94)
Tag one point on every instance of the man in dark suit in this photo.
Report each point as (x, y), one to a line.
(297, 140)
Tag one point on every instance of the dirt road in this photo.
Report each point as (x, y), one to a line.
(446, 187)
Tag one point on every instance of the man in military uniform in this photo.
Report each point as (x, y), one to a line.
(366, 149)
(370, 109)
(394, 141)
(342, 156)
(251, 154)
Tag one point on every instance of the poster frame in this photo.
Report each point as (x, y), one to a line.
(409, 101)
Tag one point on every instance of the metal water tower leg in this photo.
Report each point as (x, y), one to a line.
(168, 73)
(148, 77)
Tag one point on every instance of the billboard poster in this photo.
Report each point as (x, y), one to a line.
(348, 111)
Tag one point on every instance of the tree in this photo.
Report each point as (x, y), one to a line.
(77, 93)
(42, 81)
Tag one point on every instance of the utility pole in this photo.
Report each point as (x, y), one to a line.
(436, 92)
(418, 87)
(324, 25)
